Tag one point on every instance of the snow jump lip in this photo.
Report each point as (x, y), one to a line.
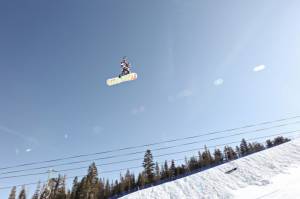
(118, 80)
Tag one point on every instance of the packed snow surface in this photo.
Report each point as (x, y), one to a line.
(272, 173)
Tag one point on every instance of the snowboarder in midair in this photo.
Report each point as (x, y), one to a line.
(125, 76)
(125, 66)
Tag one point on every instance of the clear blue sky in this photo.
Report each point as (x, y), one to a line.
(195, 62)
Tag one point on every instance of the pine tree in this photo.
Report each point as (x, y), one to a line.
(207, 158)
(148, 166)
(115, 188)
(238, 151)
(244, 147)
(200, 160)
(280, 140)
(193, 164)
(93, 174)
(128, 181)
(12, 194)
(178, 171)
(182, 169)
(172, 169)
(225, 151)
(22, 194)
(167, 170)
(269, 143)
(107, 190)
(101, 188)
(83, 188)
(122, 183)
(75, 188)
(88, 187)
(218, 156)
(157, 172)
(162, 172)
(258, 147)
(92, 178)
(141, 181)
(229, 153)
(234, 155)
(251, 148)
(133, 182)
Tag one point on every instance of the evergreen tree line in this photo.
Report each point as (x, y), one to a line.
(93, 187)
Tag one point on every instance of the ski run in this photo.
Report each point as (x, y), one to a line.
(272, 173)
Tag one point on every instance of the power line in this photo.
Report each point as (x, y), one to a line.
(128, 168)
(150, 144)
(140, 152)
(166, 154)
(145, 145)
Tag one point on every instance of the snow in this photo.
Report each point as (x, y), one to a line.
(272, 173)
(281, 186)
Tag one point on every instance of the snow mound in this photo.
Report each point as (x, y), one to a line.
(272, 173)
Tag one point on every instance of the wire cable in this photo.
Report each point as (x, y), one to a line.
(161, 155)
(141, 152)
(111, 171)
(150, 144)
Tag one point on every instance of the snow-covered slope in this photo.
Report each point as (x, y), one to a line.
(272, 173)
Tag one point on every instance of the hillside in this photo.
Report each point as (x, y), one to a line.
(272, 173)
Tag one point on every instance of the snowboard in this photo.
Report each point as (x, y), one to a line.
(124, 78)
